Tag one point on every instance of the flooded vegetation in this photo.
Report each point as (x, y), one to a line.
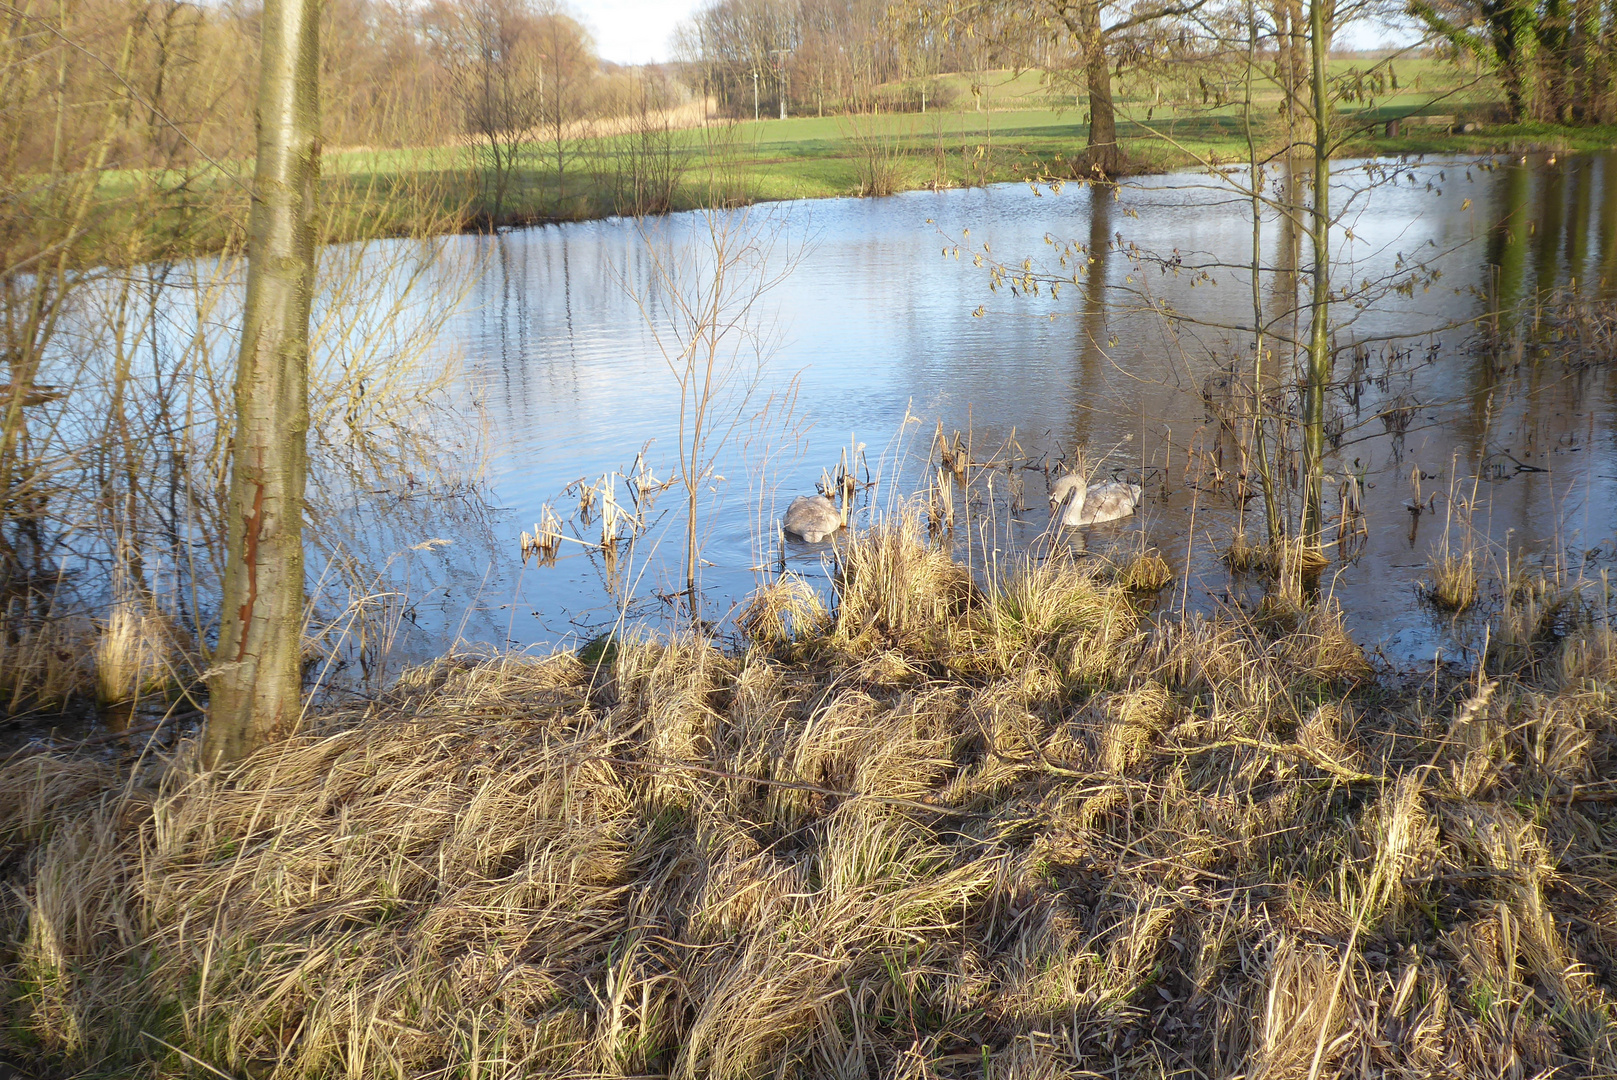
(1441, 414)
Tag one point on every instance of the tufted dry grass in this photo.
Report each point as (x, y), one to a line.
(943, 828)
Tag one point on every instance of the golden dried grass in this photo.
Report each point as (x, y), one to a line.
(1144, 571)
(1451, 580)
(781, 609)
(137, 653)
(1066, 842)
(44, 663)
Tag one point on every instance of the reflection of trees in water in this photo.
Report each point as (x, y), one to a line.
(1607, 266)
(137, 513)
(1092, 339)
(1440, 405)
(1545, 217)
(1580, 175)
(1507, 244)
(1549, 227)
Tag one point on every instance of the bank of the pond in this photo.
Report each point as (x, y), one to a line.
(1012, 147)
(941, 830)
(438, 190)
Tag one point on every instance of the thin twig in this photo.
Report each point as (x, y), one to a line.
(793, 785)
(189, 1057)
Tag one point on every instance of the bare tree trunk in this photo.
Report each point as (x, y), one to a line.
(256, 687)
(1319, 353)
(1586, 38)
(1512, 26)
(1103, 152)
(1271, 504)
(1606, 67)
(1294, 37)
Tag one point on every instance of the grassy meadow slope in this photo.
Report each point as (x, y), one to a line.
(1016, 127)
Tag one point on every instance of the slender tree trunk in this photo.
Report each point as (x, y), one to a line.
(1319, 352)
(1554, 33)
(561, 161)
(1605, 66)
(256, 688)
(501, 173)
(1271, 505)
(1512, 26)
(1290, 39)
(1586, 39)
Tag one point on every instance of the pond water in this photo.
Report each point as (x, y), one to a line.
(874, 318)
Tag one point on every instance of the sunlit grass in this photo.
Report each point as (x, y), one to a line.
(1451, 580)
(1028, 127)
(915, 827)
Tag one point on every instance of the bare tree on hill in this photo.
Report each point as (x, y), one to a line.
(566, 66)
(488, 48)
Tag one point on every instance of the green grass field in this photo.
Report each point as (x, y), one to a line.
(1018, 126)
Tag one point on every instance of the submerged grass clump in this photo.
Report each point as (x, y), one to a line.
(1451, 581)
(44, 662)
(1144, 571)
(1243, 556)
(942, 829)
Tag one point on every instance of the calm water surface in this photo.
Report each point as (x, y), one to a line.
(878, 320)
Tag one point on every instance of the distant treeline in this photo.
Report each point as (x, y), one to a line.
(180, 77)
(836, 55)
(181, 74)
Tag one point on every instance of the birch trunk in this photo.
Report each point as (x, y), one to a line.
(256, 686)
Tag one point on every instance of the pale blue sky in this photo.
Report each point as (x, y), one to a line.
(634, 31)
(637, 31)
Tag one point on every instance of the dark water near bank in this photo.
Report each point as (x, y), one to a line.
(878, 320)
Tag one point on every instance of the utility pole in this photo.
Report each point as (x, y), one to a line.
(755, 93)
(780, 76)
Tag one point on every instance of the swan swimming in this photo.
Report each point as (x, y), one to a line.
(1092, 503)
(812, 518)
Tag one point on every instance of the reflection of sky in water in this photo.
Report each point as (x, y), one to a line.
(875, 319)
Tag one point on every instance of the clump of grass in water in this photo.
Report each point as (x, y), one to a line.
(901, 838)
(43, 661)
(781, 610)
(1144, 571)
(1451, 581)
(1243, 556)
(1294, 566)
(1550, 624)
(136, 653)
(600, 651)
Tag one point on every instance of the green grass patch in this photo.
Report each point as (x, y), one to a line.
(1016, 126)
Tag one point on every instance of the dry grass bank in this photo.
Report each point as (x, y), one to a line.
(936, 831)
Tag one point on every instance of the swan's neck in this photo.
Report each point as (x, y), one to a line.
(1075, 506)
